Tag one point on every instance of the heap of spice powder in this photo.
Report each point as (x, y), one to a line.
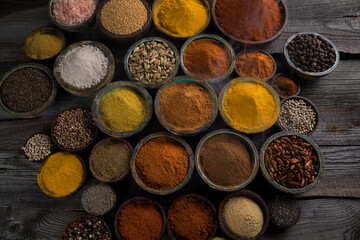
(181, 18)
(61, 174)
(26, 89)
(98, 199)
(186, 105)
(284, 86)
(292, 162)
(123, 17)
(249, 105)
(252, 20)
(191, 218)
(72, 12)
(207, 58)
(225, 160)
(74, 129)
(255, 64)
(38, 147)
(122, 109)
(162, 163)
(110, 159)
(140, 219)
(243, 217)
(87, 228)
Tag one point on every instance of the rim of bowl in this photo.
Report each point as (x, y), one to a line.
(119, 84)
(52, 134)
(124, 38)
(50, 30)
(159, 28)
(118, 179)
(217, 38)
(198, 197)
(142, 143)
(256, 50)
(52, 149)
(93, 89)
(251, 80)
(254, 197)
(308, 103)
(102, 185)
(276, 185)
(283, 9)
(83, 175)
(89, 217)
(251, 148)
(150, 39)
(182, 79)
(71, 28)
(307, 73)
(270, 81)
(135, 199)
(43, 108)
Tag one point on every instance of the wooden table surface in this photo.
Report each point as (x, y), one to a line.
(330, 211)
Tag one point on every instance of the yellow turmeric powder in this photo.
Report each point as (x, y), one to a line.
(250, 106)
(61, 174)
(181, 18)
(122, 109)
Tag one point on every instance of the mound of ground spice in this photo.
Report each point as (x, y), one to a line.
(284, 86)
(186, 105)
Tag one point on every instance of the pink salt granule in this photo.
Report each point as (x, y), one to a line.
(72, 12)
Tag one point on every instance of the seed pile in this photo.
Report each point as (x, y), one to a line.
(291, 162)
(311, 53)
(38, 147)
(284, 210)
(74, 128)
(296, 115)
(86, 228)
(98, 199)
(151, 62)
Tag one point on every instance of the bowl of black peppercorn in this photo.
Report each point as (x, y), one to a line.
(310, 55)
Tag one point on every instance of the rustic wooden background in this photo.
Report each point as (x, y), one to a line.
(330, 211)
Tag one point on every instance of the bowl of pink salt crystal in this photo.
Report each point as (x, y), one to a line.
(72, 15)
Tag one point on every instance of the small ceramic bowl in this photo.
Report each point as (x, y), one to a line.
(201, 198)
(71, 28)
(150, 39)
(45, 30)
(94, 89)
(91, 217)
(184, 79)
(229, 48)
(253, 196)
(250, 80)
(305, 74)
(120, 178)
(53, 138)
(284, 20)
(138, 89)
(252, 150)
(129, 38)
(279, 186)
(46, 106)
(258, 50)
(271, 82)
(136, 199)
(52, 149)
(308, 103)
(142, 143)
(163, 31)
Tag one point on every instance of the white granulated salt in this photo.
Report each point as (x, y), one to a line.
(83, 67)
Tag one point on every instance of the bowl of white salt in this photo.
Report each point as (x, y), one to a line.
(85, 67)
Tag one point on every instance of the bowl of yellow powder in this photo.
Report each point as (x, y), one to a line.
(181, 18)
(124, 21)
(62, 174)
(249, 105)
(122, 109)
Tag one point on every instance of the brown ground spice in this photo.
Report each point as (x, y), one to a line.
(225, 160)
(186, 105)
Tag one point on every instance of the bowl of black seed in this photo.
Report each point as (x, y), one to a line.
(298, 114)
(73, 129)
(98, 199)
(38, 147)
(310, 55)
(284, 210)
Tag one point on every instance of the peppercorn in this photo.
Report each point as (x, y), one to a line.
(89, 228)
(38, 147)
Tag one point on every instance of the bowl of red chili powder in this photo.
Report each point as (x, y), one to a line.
(250, 22)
